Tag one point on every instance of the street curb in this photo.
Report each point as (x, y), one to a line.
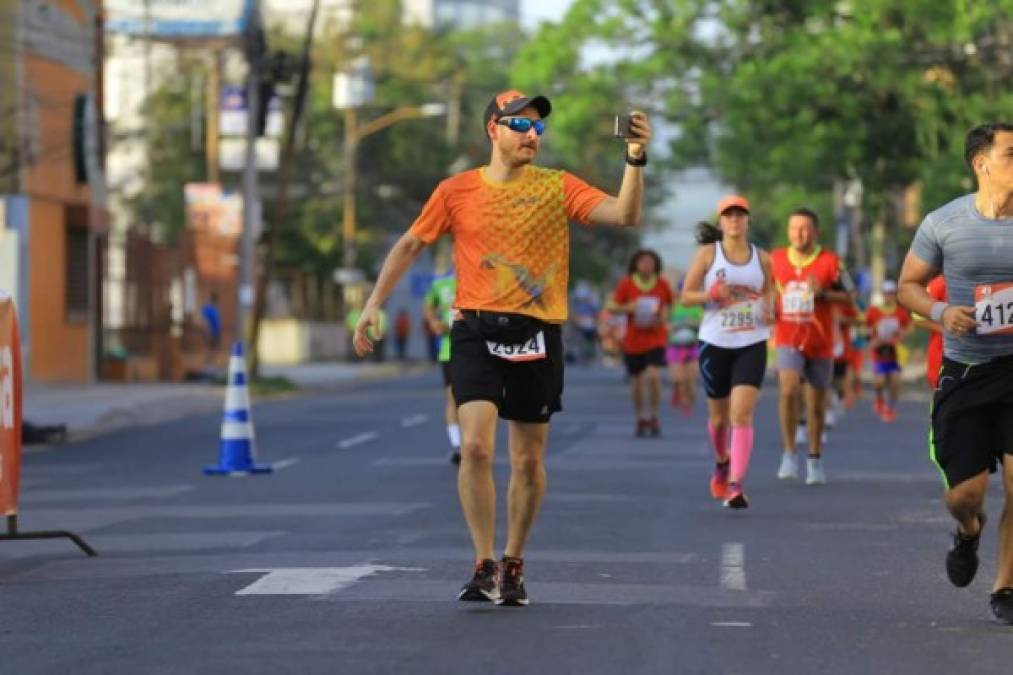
(179, 407)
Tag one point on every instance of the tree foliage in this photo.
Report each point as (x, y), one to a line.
(785, 98)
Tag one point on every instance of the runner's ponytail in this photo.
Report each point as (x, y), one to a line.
(707, 233)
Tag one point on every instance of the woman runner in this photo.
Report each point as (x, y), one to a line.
(731, 278)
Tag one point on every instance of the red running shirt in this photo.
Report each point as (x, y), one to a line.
(885, 325)
(934, 350)
(646, 328)
(803, 322)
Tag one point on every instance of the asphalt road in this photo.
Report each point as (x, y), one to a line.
(348, 558)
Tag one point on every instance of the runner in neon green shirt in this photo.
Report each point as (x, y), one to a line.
(683, 354)
(438, 308)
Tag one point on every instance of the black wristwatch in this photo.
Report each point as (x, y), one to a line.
(636, 161)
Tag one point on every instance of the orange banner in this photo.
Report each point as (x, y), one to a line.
(10, 407)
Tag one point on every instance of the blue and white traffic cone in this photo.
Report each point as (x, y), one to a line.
(236, 448)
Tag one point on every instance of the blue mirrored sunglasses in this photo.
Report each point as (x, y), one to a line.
(522, 124)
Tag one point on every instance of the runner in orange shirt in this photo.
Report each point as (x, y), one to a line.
(809, 282)
(934, 349)
(644, 297)
(510, 225)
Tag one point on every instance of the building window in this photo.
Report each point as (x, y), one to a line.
(78, 273)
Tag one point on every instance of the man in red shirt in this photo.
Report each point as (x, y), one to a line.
(645, 297)
(809, 282)
(887, 325)
(934, 348)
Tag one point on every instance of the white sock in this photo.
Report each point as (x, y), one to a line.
(454, 433)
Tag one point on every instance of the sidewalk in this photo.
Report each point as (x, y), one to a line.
(93, 409)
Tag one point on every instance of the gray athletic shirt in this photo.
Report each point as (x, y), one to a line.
(970, 250)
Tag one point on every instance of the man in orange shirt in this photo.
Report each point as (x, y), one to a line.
(808, 282)
(509, 221)
(644, 297)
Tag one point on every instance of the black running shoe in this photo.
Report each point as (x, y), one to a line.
(962, 559)
(484, 585)
(1002, 605)
(455, 457)
(511, 586)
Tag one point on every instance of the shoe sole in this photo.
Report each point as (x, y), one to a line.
(503, 602)
(737, 502)
(787, 477)
(475, 595)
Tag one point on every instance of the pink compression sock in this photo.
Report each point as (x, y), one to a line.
(719, 441)
(742, 448)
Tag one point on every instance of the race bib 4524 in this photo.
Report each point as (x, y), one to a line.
(532, 350)
(993, 309)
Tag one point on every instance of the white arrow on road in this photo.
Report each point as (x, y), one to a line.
(311, 580)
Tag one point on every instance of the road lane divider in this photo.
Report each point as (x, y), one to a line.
(358, 440)
(733, 567)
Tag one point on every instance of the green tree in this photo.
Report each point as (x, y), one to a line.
(785, 99)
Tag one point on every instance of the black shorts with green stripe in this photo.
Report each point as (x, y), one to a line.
(972, 418)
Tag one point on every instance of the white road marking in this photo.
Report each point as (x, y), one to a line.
(357, 440)
(414, 421)
(732, 624)
(733, 567)
(285, 463)
(311, 580)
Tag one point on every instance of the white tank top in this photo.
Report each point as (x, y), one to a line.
(739, 322)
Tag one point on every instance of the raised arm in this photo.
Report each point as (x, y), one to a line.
(625, 209)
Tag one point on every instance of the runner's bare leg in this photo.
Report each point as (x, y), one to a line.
(527, 482)
(1004, 571)
(475, 485)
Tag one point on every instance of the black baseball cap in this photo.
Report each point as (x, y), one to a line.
(512, 102)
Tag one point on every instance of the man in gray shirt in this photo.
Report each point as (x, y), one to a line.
(971, 241)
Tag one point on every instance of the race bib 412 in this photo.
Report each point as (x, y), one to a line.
(993, 309)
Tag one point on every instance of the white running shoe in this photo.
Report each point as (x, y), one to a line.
(790, 469)
(830, 418)
(815, 475)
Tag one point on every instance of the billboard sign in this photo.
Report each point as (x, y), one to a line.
(178, 18)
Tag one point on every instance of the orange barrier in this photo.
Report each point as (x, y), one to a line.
(10, 430)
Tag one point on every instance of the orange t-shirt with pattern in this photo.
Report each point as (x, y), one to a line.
(511, 240)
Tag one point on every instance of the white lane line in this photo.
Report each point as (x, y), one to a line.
(357, 440)
(414, 421)
(733, 567)
(311, 580)
(285, 463)
(732, 624)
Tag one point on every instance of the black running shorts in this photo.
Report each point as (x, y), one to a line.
(723, 369)
(972, 418)
(637, 363)
(526, 391)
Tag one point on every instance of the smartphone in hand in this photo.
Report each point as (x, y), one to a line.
(623, 126)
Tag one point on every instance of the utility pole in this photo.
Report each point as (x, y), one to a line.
(251, 189)
(281, 203)
(350, 150)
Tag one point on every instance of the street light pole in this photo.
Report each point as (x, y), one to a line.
(353, 136)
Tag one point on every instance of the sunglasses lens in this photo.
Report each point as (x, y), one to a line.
(521, 124)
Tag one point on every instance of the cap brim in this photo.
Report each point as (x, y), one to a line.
(539, 103)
